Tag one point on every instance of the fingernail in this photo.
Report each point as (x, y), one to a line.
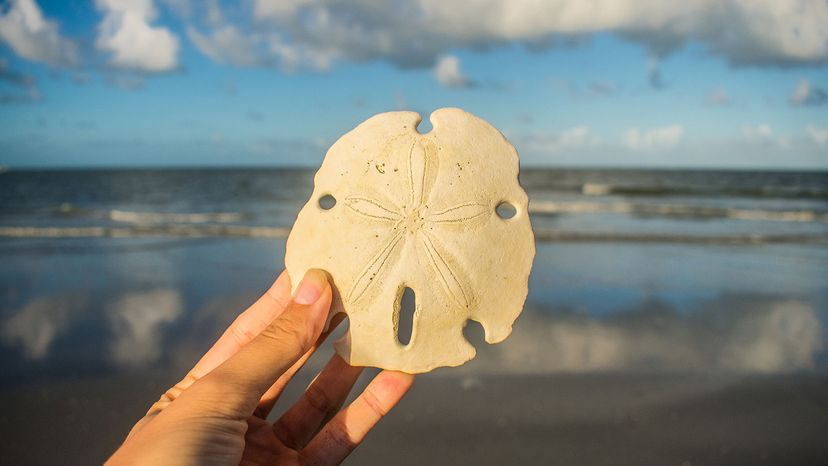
(311, 287)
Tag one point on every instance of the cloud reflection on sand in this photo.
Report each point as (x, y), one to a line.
(728, 334)
(137, 320)
(36, 325)
(732, 333)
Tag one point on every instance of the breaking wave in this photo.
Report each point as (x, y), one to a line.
(191, 231)
(603, 189)
(674, 210)
(541, 234)
(126, 216)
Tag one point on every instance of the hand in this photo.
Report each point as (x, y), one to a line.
(218, 413)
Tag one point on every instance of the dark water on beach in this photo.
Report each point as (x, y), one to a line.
(687, 287)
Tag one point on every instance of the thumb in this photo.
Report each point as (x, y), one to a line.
(240, 382)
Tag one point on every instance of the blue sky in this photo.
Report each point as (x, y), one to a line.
(264, 82)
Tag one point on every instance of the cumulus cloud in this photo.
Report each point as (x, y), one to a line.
(252, 45)
(134, 44)
(807, 94)
(654, 138)
(31, 36)
(818, 135)
(448, 73)
(544, 143)
(415, 33)
(763, 134)
(226, 45)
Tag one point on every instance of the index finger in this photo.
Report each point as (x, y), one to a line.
(246, 326)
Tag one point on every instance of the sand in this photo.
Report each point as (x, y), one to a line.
(620, 419)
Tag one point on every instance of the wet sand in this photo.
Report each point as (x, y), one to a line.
(625, 354)
(634, 419)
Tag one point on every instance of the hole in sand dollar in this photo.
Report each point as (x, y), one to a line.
(505, 210)
(408, 305)
(424, 126)
(327, 202)
(474, 333)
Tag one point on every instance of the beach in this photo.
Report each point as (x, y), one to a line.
(667, 322)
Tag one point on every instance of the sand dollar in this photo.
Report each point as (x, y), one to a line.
(393, 209)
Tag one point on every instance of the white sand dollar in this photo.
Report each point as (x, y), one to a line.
(418, 211)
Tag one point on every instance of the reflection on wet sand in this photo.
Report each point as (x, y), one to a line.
(36, 325)
(137, 320)
(761, 335)
(728, 334)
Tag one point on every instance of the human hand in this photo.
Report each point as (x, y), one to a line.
(218, 413)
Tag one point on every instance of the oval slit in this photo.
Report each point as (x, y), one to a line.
(406, 311)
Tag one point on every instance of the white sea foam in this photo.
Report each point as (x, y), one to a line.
(541, 234)
(141, 230)
(126, 216)
(674, 210)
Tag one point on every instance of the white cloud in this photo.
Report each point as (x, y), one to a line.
(226, 45)
(818, 135)
(763, 134)
(448, 73)
(33, 37)
(807, 94)
(277, 9)
(654, 138)
(414, 33)
(574, 138)
(135, 45)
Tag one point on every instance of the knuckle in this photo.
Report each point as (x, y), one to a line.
(339, 438)
(175, 391)
(289, 333)
(241, 334)
(318, 399)
(286, 434)
(374, 403)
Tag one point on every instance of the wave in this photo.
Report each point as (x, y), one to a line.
(603, 189)
(192, 231)
(127, 216)
(674, 210)
(541, 235)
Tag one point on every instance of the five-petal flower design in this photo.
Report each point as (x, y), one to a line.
(411, 221)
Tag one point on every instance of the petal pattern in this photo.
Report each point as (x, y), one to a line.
(417, 171)
(372, 209)
(460, 213)
(448, 277)
(373, 268)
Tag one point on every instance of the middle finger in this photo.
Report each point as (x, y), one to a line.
(323, 398)
(273, 393)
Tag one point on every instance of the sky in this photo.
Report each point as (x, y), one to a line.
(610, 83)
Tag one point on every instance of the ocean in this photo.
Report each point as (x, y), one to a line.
(672, 315)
